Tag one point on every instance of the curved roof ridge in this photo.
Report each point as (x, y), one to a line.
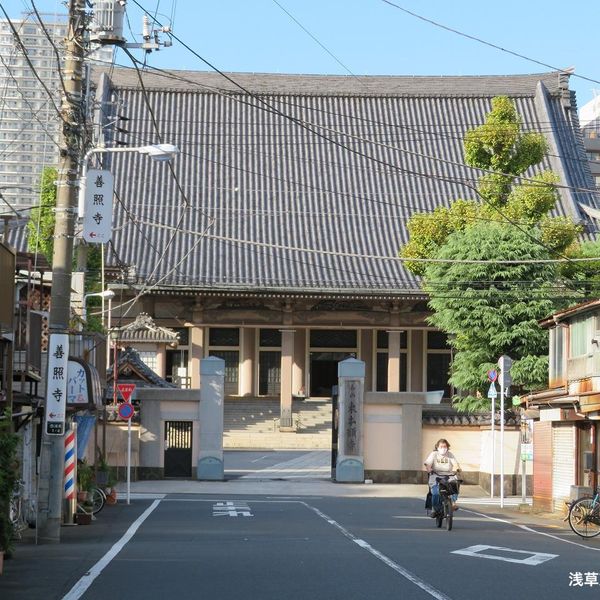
(363, 85)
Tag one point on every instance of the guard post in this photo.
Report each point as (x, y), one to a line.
(210, 464)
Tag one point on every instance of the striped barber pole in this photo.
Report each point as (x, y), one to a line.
(70, 457)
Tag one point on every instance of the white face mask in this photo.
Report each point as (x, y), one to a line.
(443, 450)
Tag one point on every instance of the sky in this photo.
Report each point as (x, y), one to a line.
(370, 37)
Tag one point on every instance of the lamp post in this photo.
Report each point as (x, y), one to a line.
(157, 152)
(114, 337)
(13, 210)
(105, 295)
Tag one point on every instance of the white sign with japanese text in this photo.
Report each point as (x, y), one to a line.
(56, 389)
(98, 206)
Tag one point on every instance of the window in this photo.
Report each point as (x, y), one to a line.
(232, 362)
(557, 356)
(269, 373)
(439, 359)
(270, 338)
(149, 359)
(333, 338)
(224, 343)
(224, 336)
(580, 335)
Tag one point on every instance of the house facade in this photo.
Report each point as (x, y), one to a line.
(566, 450)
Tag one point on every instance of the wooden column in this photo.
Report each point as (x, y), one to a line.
(196, 353)
(287, 362)
(247, 348)
(394, 361)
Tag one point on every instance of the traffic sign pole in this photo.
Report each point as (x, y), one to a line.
(493, 446)
(129, 461)
(126, 411)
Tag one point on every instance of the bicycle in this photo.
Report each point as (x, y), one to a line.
(98, 499)
(447, 487)
(584, 516)
(15, 510)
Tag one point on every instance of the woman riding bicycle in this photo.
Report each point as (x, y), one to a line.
(441, 463)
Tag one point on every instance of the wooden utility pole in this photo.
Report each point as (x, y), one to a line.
(50, 499)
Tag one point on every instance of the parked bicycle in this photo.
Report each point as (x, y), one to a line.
(17, 518)
(584, 516)
(448, 485)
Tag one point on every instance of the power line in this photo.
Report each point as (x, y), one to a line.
(484, 42)
(337, 60)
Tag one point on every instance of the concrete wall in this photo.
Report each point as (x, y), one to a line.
(158, 406)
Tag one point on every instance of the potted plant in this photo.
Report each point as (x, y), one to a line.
(106, 478)
(8, 477)
(85, 480)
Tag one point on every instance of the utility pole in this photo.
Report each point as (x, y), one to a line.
(50, 497)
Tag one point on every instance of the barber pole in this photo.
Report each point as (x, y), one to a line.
(70, 475)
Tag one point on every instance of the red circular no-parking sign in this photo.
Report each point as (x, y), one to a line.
(126, 411)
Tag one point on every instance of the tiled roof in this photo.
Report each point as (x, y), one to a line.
(144, 329)
(293, 211)
(446, 415)
(133, 368)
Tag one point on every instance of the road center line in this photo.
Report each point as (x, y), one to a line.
(84, 583)
(435, 593)
(526, 528)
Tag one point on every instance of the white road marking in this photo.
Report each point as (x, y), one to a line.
(531, 558)
(257, 459)
(435, 593)
(84, 583)
(526, 528)
(232, 509)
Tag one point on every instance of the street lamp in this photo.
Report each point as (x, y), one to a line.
(157, 152)
(106, 294)
(7, 216)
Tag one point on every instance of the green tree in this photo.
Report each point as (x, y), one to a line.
(40, 228)
(501, 147)
(40, 236)
(490, 309)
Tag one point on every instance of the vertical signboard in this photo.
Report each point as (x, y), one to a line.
(97, 206)
(56, 389)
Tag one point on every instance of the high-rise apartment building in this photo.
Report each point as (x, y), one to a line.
(29, 121)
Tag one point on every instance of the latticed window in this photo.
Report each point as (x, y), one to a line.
(269, 375)
(232, 369)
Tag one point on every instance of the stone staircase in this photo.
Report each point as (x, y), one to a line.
(253, 423)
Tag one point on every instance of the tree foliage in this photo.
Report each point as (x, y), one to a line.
(500, 146)
(493, 309)
(40, 228)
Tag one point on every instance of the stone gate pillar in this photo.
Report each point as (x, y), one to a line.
(350, 460)
(212, 392)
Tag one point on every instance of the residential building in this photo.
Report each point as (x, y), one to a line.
(565, 433)
(29, 120)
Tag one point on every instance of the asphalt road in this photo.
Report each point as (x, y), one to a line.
(261, 547)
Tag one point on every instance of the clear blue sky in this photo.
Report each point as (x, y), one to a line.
(370, 37)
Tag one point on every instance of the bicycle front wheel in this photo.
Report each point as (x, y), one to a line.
(98, 500)
(584, 518)
(449, 513)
